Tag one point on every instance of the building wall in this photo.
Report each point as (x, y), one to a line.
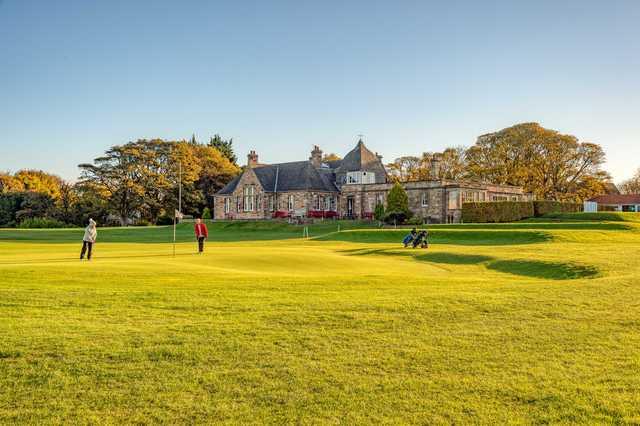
(443, 199)
(247, 178)
(302, 201)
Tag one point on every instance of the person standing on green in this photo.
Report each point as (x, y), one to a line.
(90, 235)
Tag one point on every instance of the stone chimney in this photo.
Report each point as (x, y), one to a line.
(316, 157)
(434, 173)
(252, 159)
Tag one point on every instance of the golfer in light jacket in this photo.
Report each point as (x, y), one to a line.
(90, 235)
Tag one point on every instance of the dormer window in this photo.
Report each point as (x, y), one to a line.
(361, 177)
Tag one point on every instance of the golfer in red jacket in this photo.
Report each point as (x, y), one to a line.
(201, 234)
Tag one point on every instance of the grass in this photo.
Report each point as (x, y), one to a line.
(533, 322)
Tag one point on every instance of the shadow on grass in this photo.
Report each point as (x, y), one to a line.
(454, 258)
(418, 254)
(526, 268)
(545, 270)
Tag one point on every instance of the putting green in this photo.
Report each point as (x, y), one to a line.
(533, 322)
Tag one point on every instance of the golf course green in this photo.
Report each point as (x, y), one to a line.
(522, 323)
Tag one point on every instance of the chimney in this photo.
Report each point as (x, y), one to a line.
(434, 173)
(316, 157)
(379, 156)
(252, 159)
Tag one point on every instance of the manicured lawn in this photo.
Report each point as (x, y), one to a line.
(533, 322)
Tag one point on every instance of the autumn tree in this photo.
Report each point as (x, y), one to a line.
(331, 157)
(141, 178)
(404, 169)
(453, 163)
(551, 165)
(632, 185)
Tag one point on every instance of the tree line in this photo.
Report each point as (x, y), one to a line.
(547, 163)
(136, 181)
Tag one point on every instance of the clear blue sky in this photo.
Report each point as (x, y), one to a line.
(279, 76)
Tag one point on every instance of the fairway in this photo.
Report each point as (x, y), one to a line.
(530, 322)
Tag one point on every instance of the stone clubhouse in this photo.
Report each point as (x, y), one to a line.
(348, 189)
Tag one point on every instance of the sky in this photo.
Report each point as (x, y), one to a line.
(77, 77)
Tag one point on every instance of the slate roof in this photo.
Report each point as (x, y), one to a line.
(357, 158)
(302, 175)
(231, 186)
(617, 199)
(360, 158)
(294, 176)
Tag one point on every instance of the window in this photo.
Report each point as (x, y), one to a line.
(290, 202)
(248, 193)
(238, 204)
(425, 199)
(472, 196)
(361, 177)
(380, 199)
(271, 202)
(316, 202)
(454, 200)
(227, 204)
(496, 197)
(327, 202)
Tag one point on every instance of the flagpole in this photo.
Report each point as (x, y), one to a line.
(179, 211)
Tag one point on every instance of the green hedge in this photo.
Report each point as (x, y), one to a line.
(510, 211)
(540, 208)
(501, 211)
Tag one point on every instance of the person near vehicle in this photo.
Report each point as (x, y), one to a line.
(90, 235)
(202, 233)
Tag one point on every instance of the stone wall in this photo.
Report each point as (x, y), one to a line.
(302, 201)
(248, 178)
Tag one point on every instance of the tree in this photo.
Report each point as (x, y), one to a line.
(225, 147)
(545, 162)
(378, 213)
(39, 181)
(404, 169)
(453, 163)
(118, 175)
(8, 184)
(397, 204)
(632, 185)
(331, 157)
(140, 179)
(206, 213)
